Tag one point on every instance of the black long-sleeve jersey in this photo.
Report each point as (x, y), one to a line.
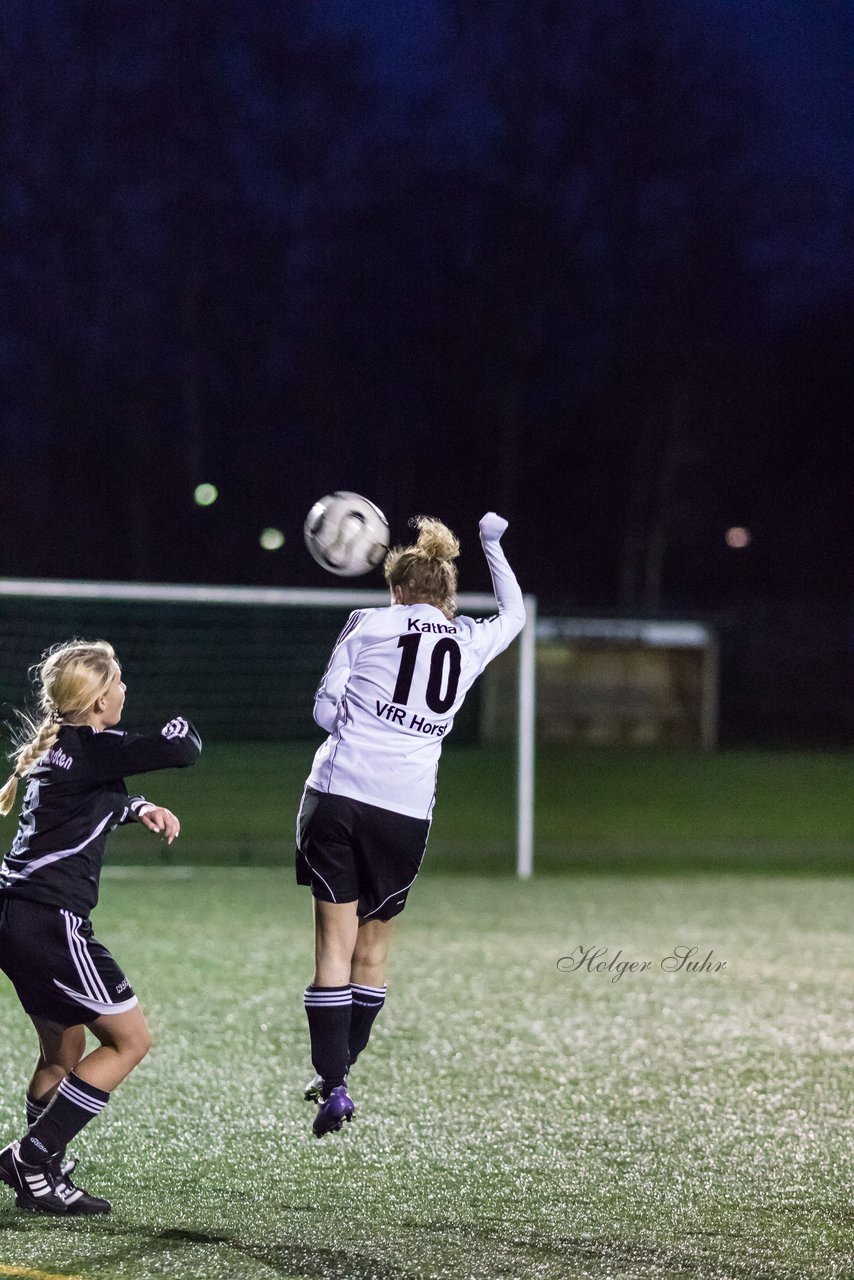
(76, 796)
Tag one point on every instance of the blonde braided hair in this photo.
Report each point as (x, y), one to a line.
(69, 680)
(426, 572)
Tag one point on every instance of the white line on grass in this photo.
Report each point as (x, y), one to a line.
(6, 1270)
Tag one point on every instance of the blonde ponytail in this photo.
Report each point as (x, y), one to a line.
(426, 572)
(29, 752)
(42, 738)
(7, 795)
(69, 680)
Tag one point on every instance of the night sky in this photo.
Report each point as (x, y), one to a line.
(594, 271)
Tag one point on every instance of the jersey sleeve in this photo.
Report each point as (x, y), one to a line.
(113, 754)
(327, 700)
(494, 634)
(136, 807)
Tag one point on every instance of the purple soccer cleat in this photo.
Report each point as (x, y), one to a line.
(333, 1111)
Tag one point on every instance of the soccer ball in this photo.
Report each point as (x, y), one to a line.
(346, 534)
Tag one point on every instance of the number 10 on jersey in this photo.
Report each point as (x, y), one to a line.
(445, 664)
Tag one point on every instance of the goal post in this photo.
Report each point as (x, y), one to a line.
(526, 739)
(36, 612)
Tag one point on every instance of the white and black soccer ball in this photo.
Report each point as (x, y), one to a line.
(346, 534)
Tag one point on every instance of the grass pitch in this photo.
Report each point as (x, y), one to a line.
(516, 1121)
(597, 810)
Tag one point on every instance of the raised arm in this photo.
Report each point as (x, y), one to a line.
(508, 593)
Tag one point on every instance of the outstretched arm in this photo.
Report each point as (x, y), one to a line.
(508, 593)
(112, 754)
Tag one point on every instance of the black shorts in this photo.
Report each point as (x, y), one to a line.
(59, 970)
(349, 851)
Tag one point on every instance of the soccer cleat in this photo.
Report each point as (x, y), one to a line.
(76, 1199)
(34, 1184)
(333, 1111)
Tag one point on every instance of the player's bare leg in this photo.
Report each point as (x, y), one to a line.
(125, 1040)
(336, 929)
(370, 955)
(81, 1088)
(60, 1051)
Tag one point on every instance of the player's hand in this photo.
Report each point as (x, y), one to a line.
(491, 527)
(162, 822)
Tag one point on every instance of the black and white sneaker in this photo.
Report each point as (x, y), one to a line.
(313, 1091)
(34, 1184)
(77, 1200)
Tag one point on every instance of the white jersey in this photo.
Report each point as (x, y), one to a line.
(395, 681)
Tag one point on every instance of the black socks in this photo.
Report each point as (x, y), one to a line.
(72, 1106)
(328, 1013)
(367, 1002)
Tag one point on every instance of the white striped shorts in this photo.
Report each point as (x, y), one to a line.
(58, 968)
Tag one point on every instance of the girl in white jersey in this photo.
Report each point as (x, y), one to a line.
(395, 681)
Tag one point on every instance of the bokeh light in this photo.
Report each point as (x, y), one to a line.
(738, 537)
(205, 494)
(272, 539)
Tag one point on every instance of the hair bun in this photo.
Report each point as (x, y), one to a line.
(435, 539)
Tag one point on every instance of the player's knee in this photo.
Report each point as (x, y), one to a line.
(372, 946)
(135, 1046)
(142, 1046)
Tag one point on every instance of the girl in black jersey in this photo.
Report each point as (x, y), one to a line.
(74, 761)
(395, 681)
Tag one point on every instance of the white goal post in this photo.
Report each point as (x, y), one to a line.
(331, 598)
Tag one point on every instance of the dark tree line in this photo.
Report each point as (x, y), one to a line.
(232, 254)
